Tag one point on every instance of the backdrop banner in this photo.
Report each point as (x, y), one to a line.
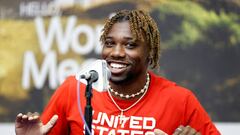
(44, 41)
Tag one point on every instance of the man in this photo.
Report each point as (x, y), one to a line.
(137, 101)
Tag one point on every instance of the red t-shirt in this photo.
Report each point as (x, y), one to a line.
(165, 106)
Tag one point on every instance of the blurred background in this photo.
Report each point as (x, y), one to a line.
(44, 41)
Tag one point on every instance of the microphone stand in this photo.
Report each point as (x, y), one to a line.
(88, 107)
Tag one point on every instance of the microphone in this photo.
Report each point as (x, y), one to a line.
(96, 71)
(91, 76)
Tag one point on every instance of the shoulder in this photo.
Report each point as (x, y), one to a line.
(168, 88)
(70, 80)
(65, 87)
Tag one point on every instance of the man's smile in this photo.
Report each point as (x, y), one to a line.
(117, 67)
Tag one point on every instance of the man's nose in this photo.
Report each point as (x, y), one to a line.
(118, 51)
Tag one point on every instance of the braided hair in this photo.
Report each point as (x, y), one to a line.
(143, 27)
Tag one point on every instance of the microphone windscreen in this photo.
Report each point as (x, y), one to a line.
(100, 66)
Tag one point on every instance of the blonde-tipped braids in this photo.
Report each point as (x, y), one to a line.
(143, 27)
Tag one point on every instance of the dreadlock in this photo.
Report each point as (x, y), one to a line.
(142, 27)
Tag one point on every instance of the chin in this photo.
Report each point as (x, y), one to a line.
(118, 79)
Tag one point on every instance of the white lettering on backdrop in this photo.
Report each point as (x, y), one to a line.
(65, 40)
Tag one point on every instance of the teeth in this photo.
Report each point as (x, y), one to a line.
(116, 65)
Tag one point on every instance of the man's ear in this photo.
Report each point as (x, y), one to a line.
(149, 59)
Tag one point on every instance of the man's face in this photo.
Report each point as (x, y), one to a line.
(126, 58)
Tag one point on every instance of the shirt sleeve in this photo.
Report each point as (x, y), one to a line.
(197, 117)
(58, 105)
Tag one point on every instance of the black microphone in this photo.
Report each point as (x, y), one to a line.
(91, 76)
(95, 75)
(96, 71)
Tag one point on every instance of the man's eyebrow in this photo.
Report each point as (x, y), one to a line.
(126, 38)
(129, 38)
(123, 37)
(109, 37)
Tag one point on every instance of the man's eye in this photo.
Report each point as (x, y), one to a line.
(131, 45)
(109, 44)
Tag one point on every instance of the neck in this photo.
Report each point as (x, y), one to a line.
(131, 86)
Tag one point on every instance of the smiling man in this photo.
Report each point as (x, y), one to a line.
(137, 101)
